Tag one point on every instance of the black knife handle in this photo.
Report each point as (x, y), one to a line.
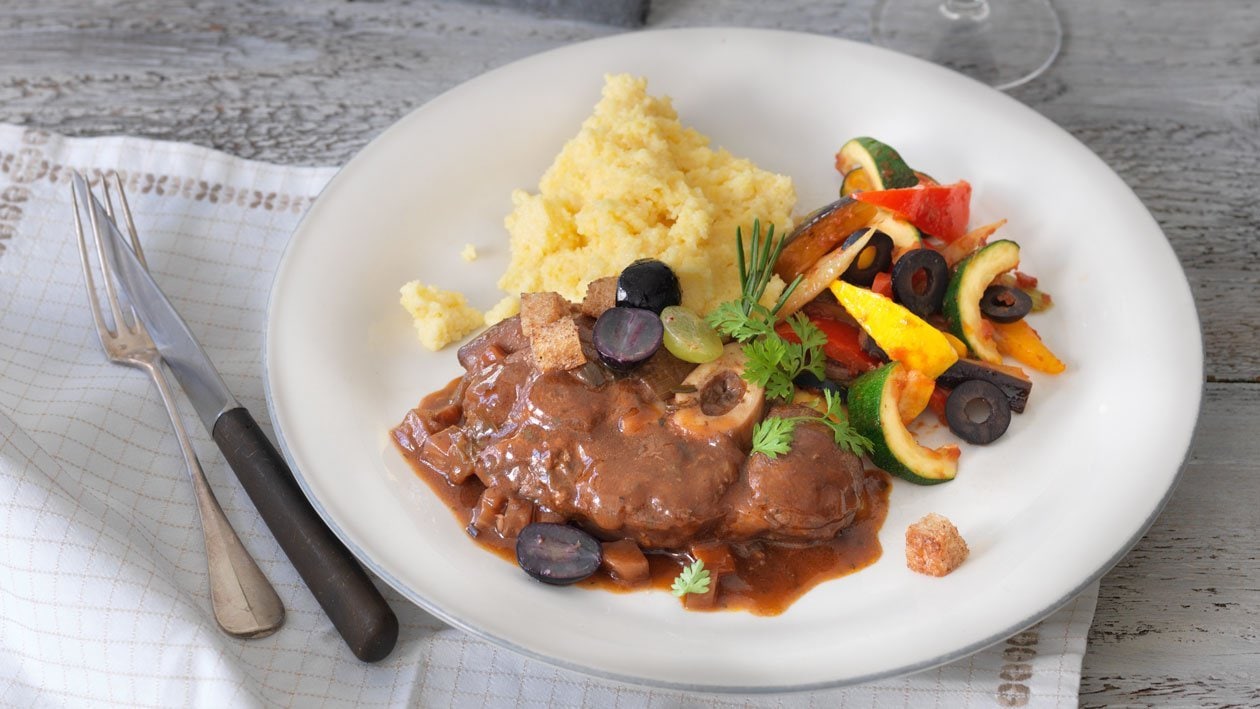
(356, 608)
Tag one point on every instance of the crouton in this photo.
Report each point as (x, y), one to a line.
(601, 294)
(541, 309)
(934, 546)
(557, 346)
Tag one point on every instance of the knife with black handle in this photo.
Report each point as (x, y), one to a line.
(355, 606)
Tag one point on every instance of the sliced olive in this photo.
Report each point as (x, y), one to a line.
(806, 380)
(1004, 304)
(977, 412)
(648, 284)
(1013, 383)
(875, 257)
(919, 280)
(627, 337)
(558, 554)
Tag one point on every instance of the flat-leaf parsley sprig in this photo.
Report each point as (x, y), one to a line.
(773, 361)
(693, 579)
(772, 436)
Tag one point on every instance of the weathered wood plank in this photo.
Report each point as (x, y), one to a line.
(1178, 619)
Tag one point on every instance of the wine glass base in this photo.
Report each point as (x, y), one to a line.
(1003, 43)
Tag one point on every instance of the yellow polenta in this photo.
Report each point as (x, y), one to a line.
(634, 183)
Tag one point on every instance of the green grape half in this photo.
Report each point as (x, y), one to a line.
(688, 337)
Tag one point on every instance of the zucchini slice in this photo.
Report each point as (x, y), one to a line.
(874, 412)
(884, 168)
(855, 180)
(962, 298)
(905, 236)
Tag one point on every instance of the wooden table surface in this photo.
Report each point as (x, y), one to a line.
(1166, 91)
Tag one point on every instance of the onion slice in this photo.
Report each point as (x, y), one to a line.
(821, 275)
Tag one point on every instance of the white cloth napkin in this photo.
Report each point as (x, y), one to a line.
(103, 592)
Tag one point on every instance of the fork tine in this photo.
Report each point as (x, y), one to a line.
(131, 224)
(111, 292)
(102, 329)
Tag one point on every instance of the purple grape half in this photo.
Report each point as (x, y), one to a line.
(557, 554)
(627, 337)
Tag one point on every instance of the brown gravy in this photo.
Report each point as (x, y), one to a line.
(764, 576)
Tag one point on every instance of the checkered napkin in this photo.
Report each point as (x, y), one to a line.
(103, 592)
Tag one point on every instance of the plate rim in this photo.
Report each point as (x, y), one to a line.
(433, 609)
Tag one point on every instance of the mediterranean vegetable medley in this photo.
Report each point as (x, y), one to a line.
(893, 305)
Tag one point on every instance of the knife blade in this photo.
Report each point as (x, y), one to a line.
(355, 606)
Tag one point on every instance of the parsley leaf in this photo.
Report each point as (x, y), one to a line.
(842, 433)
(774, 362)
(693, 579)
(772, 437)
(766, 360)
(812, 341)
(742, 324)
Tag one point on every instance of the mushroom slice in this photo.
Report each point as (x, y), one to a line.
(723, 403)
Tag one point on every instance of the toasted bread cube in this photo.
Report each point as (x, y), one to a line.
(558, 347)
(539, 310)
(601, 295)
(934, 546)
(625, 562)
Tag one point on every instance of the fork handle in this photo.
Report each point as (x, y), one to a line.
(357, 609)
(245, 603)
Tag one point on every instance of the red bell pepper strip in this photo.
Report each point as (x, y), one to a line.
(842, 343)
(882, 284)
(937, 403)
(940, 210)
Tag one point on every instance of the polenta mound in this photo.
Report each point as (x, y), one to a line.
(634, 183)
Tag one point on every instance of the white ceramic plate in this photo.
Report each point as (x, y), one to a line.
(1071, 487)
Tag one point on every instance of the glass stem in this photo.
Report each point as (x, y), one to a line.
(973, 10)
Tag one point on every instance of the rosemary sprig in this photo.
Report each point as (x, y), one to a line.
(754, 277)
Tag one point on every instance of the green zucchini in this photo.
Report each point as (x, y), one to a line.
(854, 181)
(884, 168)
(874, 412)
(962, 298)
(905, 236)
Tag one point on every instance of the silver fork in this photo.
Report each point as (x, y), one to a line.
(245, 604)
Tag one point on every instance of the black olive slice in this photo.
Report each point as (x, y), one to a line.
(806, 380)
(875, 257)
(977, 412)
(1005, 304)
(557, 554)
(648, 284)
(919, 280)
(1011, 382)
